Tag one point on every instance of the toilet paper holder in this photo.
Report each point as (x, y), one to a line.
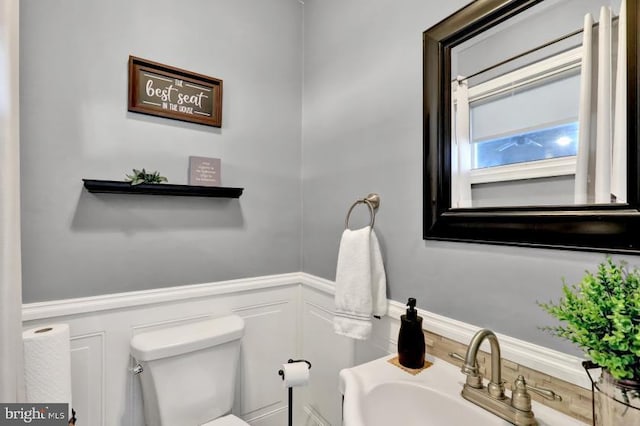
(290, 389)
(291, 361)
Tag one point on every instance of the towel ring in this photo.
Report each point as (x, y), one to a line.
(372, 201)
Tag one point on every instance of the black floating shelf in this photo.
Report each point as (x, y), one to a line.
(119, 187)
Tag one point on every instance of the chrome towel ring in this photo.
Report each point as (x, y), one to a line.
(372, 201)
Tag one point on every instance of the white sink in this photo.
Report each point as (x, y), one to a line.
(380, 394)
(402, 403)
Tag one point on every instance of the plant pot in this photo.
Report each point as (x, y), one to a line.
(627, 384)
(618, 402)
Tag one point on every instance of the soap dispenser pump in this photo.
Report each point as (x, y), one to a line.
(411, 338)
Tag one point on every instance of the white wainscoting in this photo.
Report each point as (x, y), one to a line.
(287, 316)
(385, 336)
(107, 394)
(328, 352)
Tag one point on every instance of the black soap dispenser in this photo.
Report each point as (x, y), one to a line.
(411, 338)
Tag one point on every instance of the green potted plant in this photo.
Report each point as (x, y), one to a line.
(601, 314)
(141, 176)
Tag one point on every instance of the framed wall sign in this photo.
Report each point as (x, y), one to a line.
(204, 171)
(169, 92)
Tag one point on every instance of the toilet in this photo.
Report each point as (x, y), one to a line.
(188, 372)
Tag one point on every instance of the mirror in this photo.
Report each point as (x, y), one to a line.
(521, 103)
(506, 111)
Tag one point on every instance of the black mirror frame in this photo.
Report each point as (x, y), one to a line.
(609, 228)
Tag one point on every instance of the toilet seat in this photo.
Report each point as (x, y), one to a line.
(229, 420)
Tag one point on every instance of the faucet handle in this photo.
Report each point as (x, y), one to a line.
(466, 369)
(521, 399)
(545, 393)
(474, 379)
(457, 356)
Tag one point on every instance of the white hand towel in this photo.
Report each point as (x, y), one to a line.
(361, 283)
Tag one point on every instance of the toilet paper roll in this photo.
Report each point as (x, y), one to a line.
(295, 374)
(47, 364)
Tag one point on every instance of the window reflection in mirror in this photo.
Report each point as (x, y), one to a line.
(534, 118)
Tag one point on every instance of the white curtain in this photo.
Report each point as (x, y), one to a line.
(610, 138)
(603, 120)
(619, 167)
(461, 147)
(584, 115)
(11, 376)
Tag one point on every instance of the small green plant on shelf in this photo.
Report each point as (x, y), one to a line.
(602, 316)
(141, 176)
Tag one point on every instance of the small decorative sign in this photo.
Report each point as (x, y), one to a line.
(204, 171)
(165, 91)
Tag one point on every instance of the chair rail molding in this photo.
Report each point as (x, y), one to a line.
(84, 305)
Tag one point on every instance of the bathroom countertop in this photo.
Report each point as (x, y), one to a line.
(443, 376)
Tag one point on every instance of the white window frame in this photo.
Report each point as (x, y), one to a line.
(561, 166)
(538, 71)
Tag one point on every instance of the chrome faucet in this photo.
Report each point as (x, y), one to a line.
(516, 409)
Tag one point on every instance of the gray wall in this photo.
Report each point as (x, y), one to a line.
(362, 132)
(75, 124)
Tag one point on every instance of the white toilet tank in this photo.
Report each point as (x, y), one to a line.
(189, 371)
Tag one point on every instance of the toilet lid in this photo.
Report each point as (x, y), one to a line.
(229, 420)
